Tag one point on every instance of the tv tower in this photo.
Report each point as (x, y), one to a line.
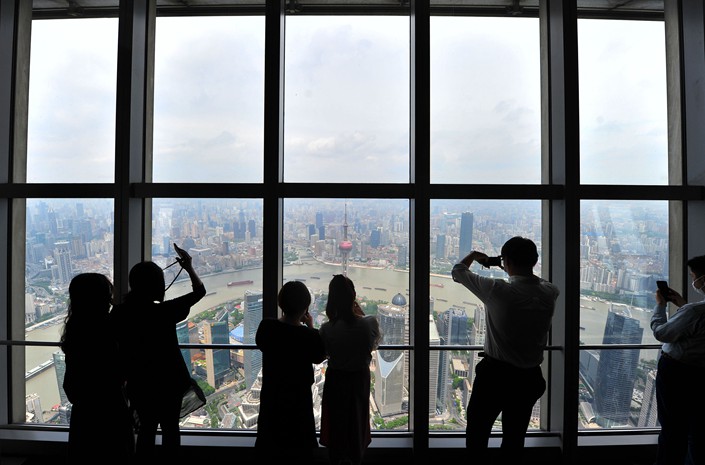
(345, 245)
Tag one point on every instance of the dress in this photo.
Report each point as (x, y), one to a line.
(679, 381)
(286, 424)
(94, 377)
(345, 415)
(157, 376)
(518, 317)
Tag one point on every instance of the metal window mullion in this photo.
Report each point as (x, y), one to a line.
(560, 127)
(15, 36)
(691, 20)
(419, 247)
(273, 273)
(132, 162)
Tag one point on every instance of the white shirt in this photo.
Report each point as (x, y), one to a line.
(519, 313)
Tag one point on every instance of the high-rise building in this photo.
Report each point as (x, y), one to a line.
(319, 220)
(182, 334)
(648, 415)
(616, 371)
(453, 326)
(441, 246)
(62, 255)
(252, 316)
(60, 369)
(217, 360)
(402, 256)
(375, 237)
(34, 408)
(391, 364)
(434, 367)
(465, 245)
(479, 328)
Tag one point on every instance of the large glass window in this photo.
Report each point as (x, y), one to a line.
(368, 241)
(209, 99)
(65, 237)
(623, 117)
(346, 104)
(485, 100)
(623, 252)
(458, 317)
(350, 111)
(71, 108)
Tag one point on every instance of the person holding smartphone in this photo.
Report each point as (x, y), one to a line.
(350, 336)
(290, 346)
(508, 379)
(681, 371)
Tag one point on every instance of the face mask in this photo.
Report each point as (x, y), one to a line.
(699, 290)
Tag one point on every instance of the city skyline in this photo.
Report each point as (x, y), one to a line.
(227, 233)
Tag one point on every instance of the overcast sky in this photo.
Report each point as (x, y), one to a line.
(347, 100)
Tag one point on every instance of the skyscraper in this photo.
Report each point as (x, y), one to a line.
(217, 360)
(391, 369)
(182, 334)
(465, 245)
(479, 328)
(319, 220)
(62, 255)
(253, 315)
(616, 371)
(441, 246)
(60, 369)
(434, 366)
(648, 415)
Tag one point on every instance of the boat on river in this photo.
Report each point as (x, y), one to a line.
(240, 283)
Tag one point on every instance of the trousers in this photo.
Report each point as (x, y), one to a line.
(501, 388)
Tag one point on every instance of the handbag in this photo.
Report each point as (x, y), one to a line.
(193, 399)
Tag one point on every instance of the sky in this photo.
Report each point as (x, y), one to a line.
(346, 100)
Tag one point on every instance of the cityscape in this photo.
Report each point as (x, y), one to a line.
(624, 250)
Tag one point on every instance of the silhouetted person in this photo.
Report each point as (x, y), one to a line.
(349, 338)
(508, 380)
(157, 373)
(290, 345)
(681, 373)
(100, 429)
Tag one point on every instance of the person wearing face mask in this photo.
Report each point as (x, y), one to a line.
(681, 372)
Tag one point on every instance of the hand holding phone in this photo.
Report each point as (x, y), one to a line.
(664, 290)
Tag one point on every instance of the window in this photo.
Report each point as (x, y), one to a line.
(208, 99)
(71, 109)
(379, 139)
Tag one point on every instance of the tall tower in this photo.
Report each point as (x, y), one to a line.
(616, 371)
(392, 368)
(252, 318)
(217, 360)
(60, 370)
(465, 245)
(345, 245)
(62, 254)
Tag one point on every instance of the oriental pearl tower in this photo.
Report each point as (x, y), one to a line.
(345, 245)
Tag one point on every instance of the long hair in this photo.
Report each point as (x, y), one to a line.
(90, 299)
(341, 298)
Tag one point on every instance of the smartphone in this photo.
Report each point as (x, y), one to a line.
(492, 261)
(663, 289)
